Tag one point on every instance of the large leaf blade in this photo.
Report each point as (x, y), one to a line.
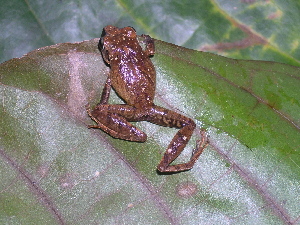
(242, 174)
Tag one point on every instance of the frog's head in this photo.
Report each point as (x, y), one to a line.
(114, 38)
(112, 35)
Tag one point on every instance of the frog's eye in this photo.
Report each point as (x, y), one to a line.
(130, 32)
(103, 33)
(101, 44)
(132, 28)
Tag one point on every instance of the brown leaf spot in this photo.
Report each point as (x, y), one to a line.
(67, 181)
(43, 170)
(186, 189)
(275, 15)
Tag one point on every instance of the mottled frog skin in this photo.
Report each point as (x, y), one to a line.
(132, 75)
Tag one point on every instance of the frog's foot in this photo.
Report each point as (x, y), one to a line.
(200, 145)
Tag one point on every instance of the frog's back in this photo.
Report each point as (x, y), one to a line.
(133, 75)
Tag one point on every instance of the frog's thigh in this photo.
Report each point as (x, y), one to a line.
(186, 125)
(169, 118)
(113, 119)
(166, 117)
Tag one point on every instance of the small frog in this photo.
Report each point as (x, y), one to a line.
(133, 77)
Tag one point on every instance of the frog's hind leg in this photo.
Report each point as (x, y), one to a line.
(112, 120)
(165, 117)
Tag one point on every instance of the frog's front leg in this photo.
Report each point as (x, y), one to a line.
(150, 47)
(186, 125)
(109, 118)
(105, 92)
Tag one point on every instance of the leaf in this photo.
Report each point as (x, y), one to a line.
(246, 29)
(59, 171)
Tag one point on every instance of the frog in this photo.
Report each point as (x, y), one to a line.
(133, 77)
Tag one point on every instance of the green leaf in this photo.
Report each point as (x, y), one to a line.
(56, 170)
(246, 29)
(249, 173)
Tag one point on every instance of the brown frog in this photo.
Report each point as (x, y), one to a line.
(133, 77)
